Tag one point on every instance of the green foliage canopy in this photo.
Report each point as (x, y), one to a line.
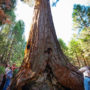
(81, 17)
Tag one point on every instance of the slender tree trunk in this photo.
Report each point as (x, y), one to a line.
(1, 58)
(9, 53)
(84, 60)
(77, 59)
(4, 56)
(45, 67)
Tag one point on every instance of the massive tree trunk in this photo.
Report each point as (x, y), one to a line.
(45, 67)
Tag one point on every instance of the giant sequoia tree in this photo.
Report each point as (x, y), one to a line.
(45, 67)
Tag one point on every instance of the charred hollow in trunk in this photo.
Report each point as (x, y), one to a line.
(45, 67)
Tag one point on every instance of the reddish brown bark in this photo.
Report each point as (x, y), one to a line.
(4, 5)
(2, 16)
(45, 67)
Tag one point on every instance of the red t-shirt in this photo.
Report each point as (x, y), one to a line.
(13, 68)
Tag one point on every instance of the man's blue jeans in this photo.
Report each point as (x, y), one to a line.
(7, 83)
(87, 83)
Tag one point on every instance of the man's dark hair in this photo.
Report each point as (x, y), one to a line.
(6, 65)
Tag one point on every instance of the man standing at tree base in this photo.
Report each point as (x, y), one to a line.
(87, 80)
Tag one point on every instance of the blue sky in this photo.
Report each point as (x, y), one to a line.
(62, 17)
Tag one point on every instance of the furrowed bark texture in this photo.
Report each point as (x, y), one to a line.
(45, 67)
